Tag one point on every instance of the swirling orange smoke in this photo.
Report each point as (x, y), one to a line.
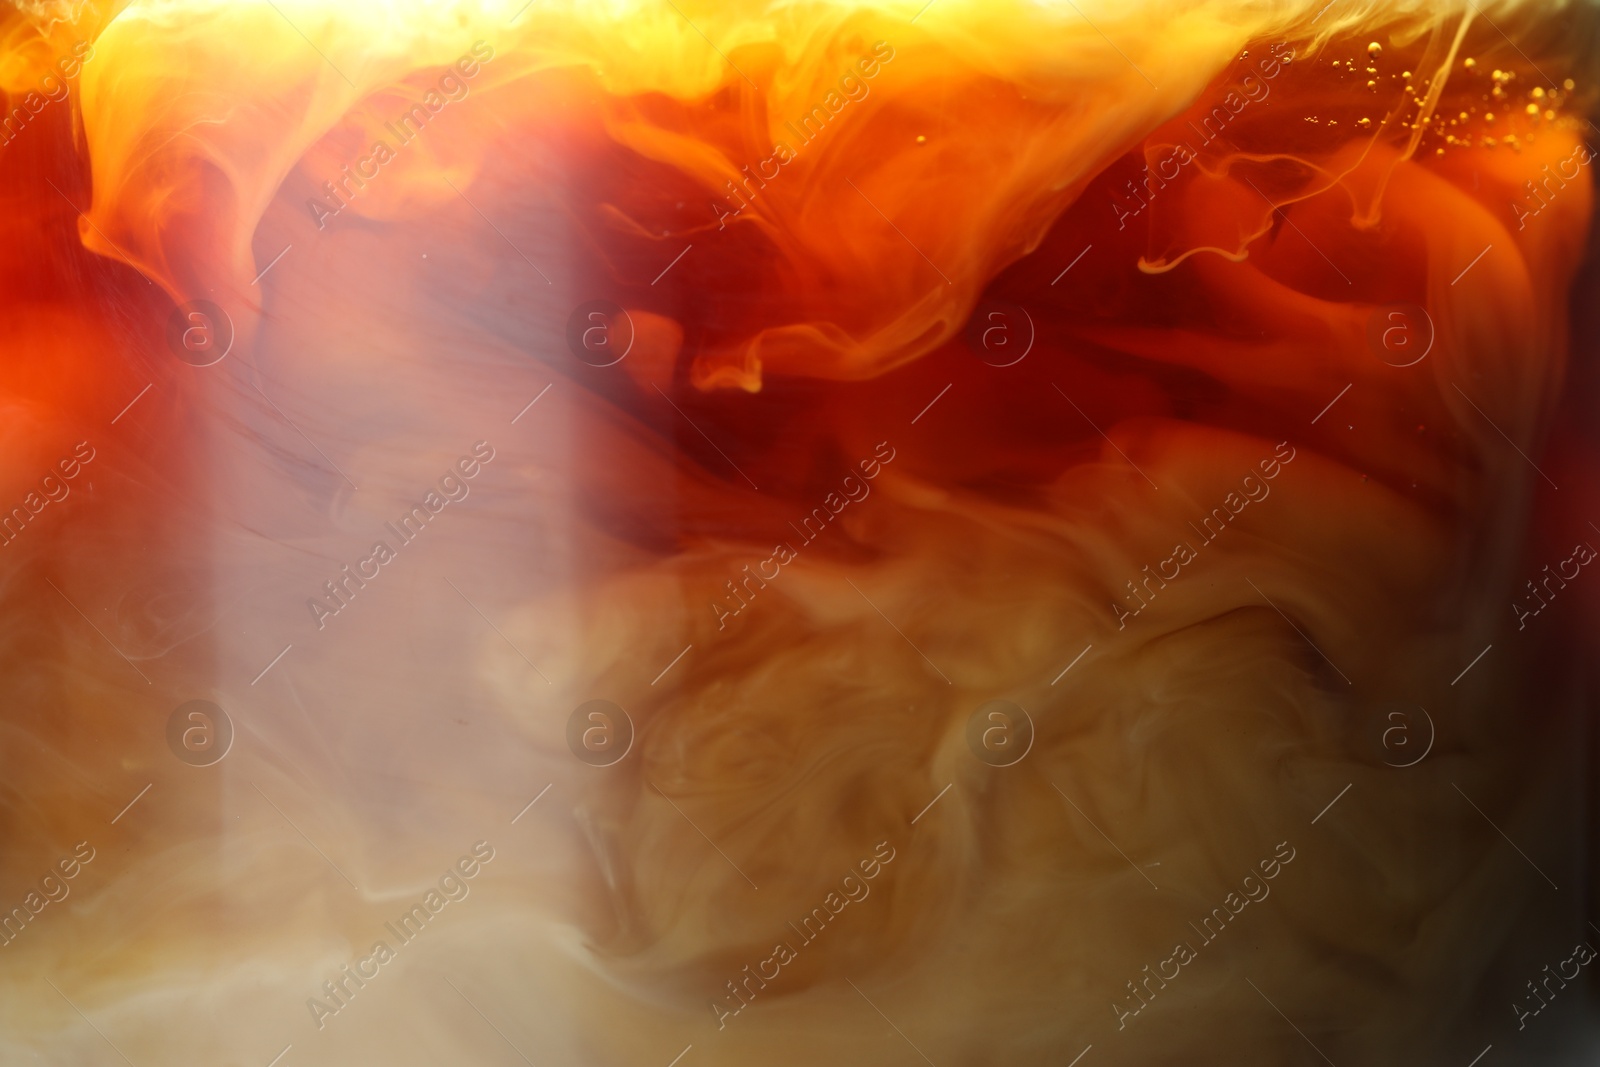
(970, 533)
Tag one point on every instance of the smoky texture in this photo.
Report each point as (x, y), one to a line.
(979, 533)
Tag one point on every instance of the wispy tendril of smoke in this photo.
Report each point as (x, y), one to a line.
(1017, 517)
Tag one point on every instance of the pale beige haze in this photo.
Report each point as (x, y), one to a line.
(1197, 378)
